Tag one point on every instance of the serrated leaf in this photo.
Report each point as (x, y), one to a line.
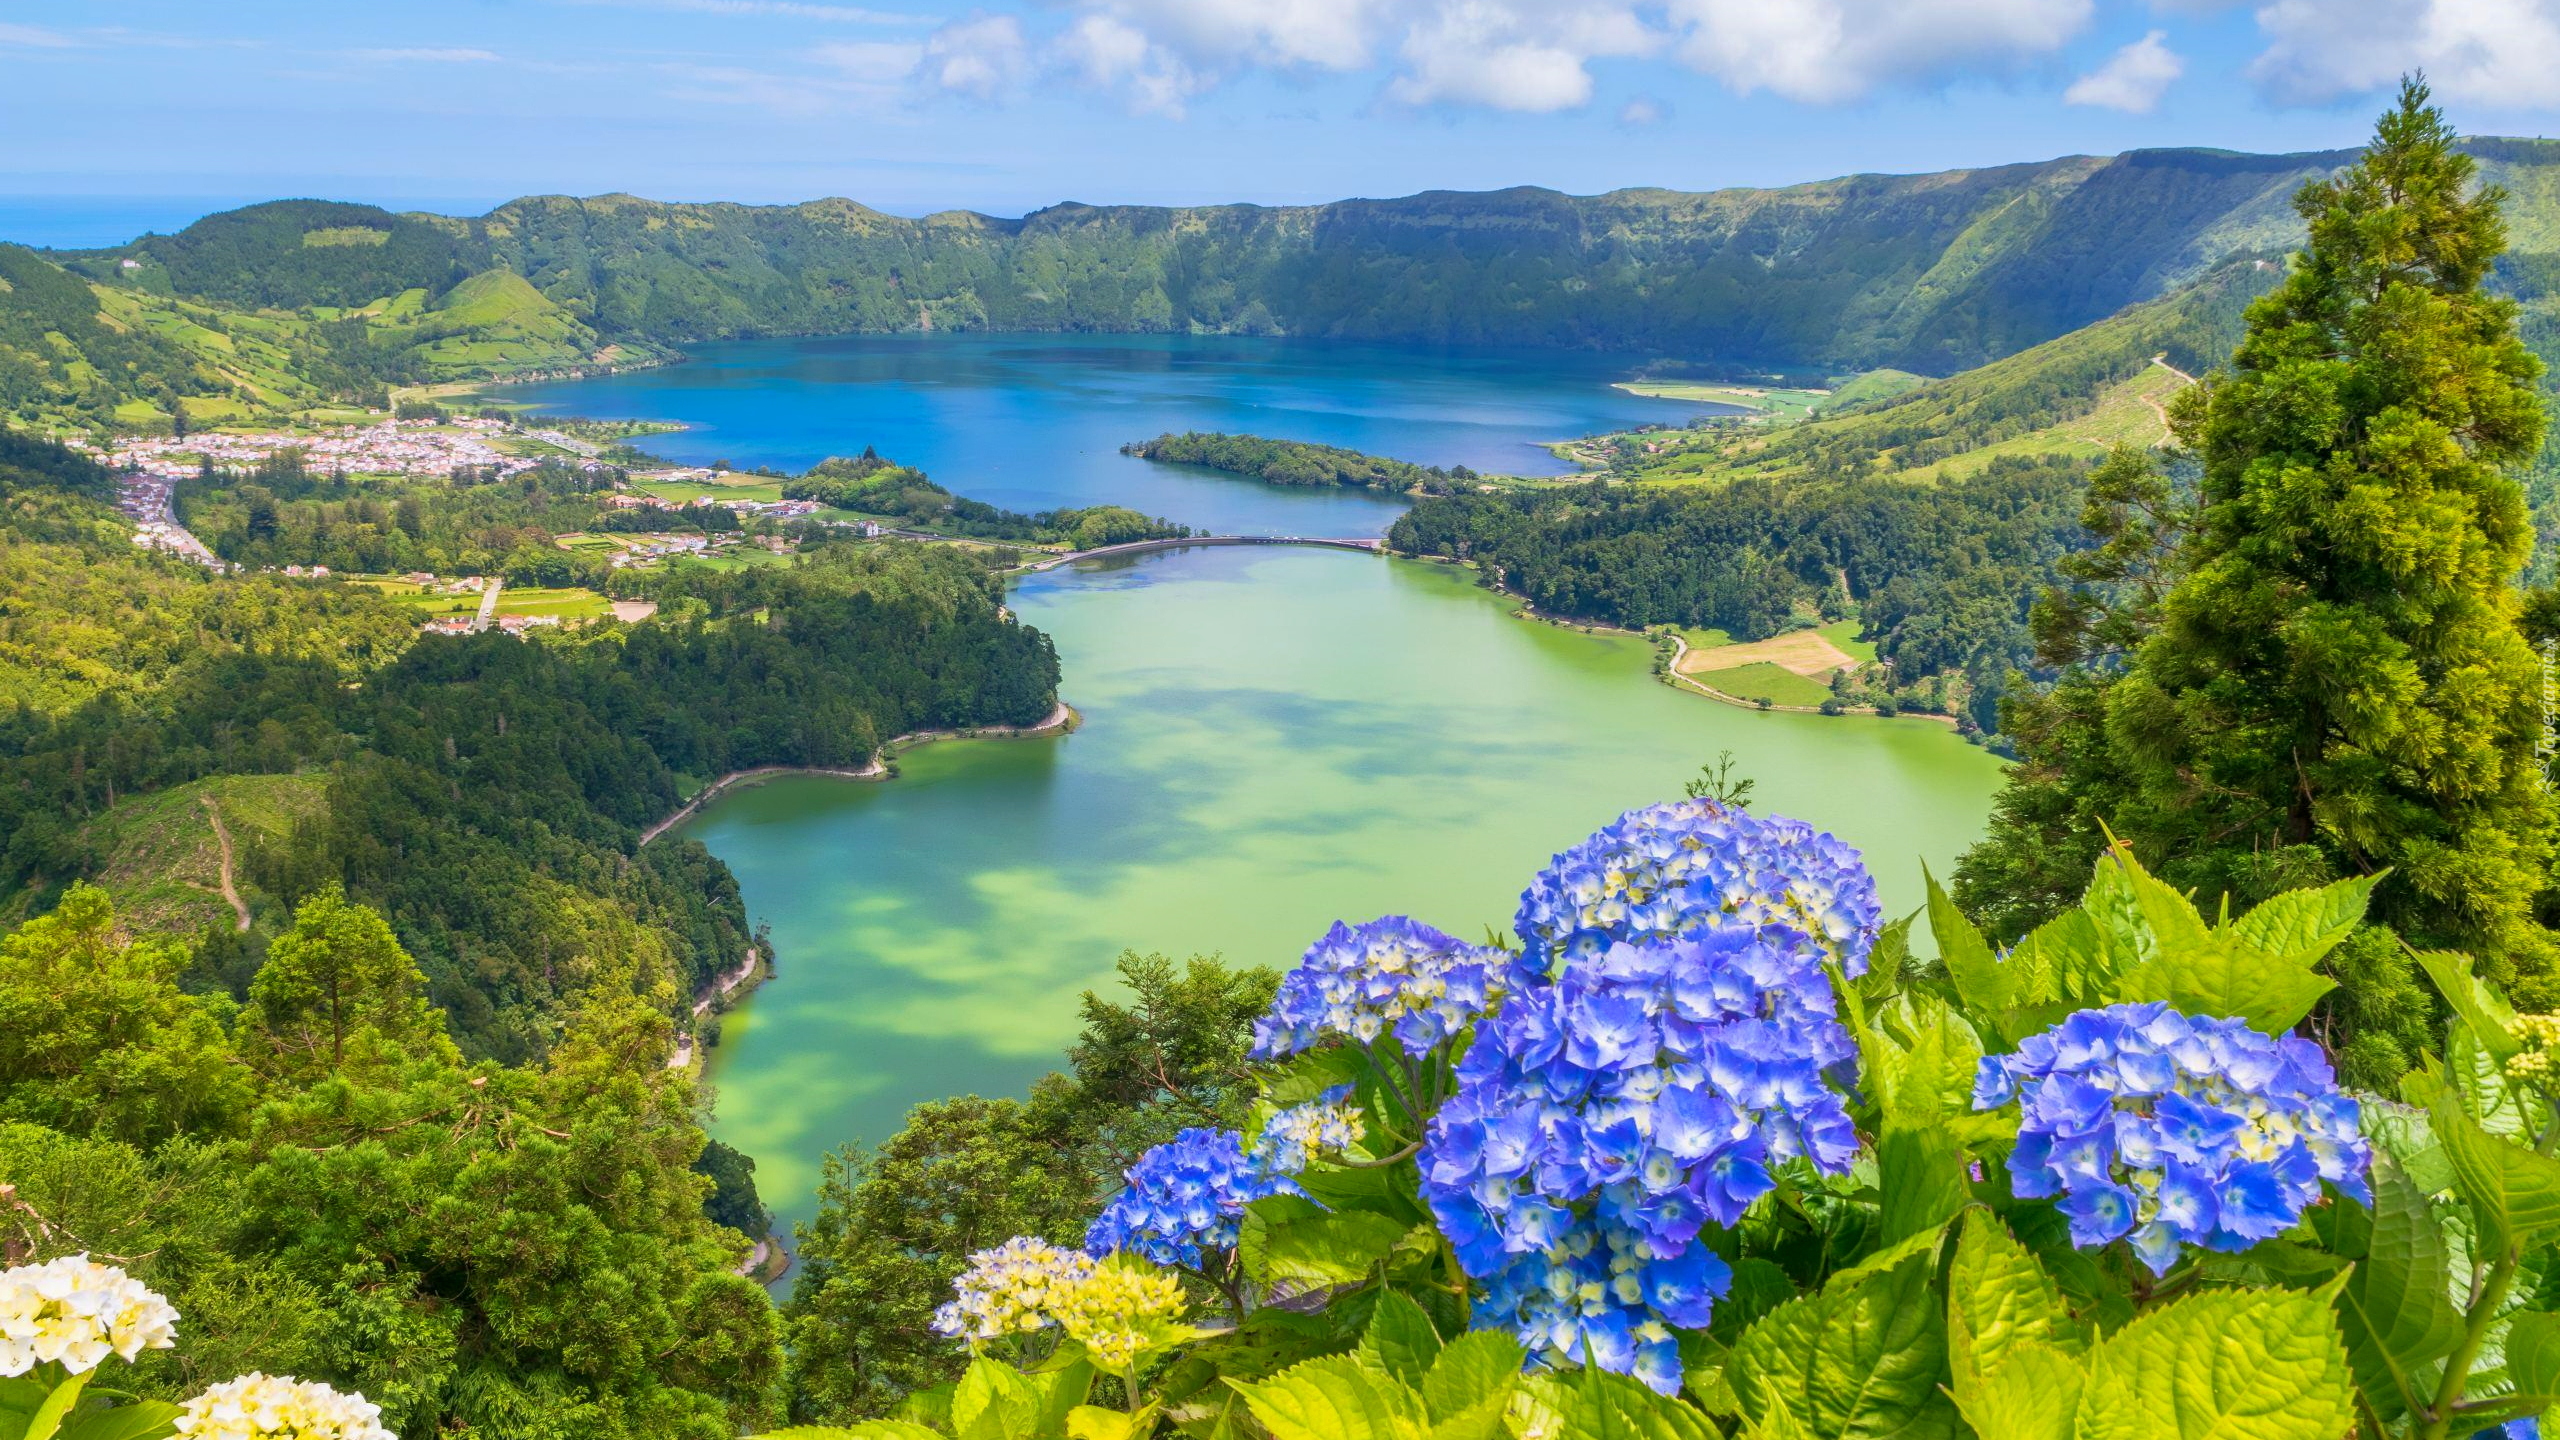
(993, 1401)
(1061, 1391)
(865, 1430)
(1702, 1360)
(140, 1420)
(861, 1431)
(2224, 1365)
(2301, 926)
(2393, 1312)
(1999, 1299)
(1311, 1073)
(1285, 1240)
(2500, 1107)
(1476, 1364)
(1399, 1340)
(2033, 1395)
(2061, 964)
(2481, 1009)
(1860, 1359)
(1921, 1177)
(1335, 1398)
(1621, 1408)
(1988, 987)
(2533, 1354)
(2514, 1192)
(1092, 1422)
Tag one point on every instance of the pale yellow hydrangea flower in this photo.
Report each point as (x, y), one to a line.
(1009, 1290)
(78, 1312)
(279, 1407)
(2539, 1062)
(1116, 1310)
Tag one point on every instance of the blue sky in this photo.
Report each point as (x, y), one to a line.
(116, 114)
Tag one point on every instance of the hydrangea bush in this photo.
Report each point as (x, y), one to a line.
(1706, 1132)
(1703, 1150)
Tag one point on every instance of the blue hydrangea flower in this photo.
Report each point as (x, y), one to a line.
(1184, 1197)
(2173, 1130)
(1390, 976)
(1671, 871)
(1603, 1119)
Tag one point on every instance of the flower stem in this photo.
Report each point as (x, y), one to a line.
(2457, 1366)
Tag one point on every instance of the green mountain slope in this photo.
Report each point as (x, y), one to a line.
(1926, 272)
(2074, 396)
(1931, 273)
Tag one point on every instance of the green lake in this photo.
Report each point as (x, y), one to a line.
(1273, 738)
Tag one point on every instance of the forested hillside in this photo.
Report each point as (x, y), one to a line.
(486, 793)
(1930, 272)
(283, 307)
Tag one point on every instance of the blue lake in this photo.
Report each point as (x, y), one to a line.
(1036, 422)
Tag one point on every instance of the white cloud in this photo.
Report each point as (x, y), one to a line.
(1320, 34)
(34, 38)
(983, 56)
(2487, 52)
(430, 55)
(1642, 111)
(1827, 51)
(1112, 54)
(1510, 56)
(2132, 79)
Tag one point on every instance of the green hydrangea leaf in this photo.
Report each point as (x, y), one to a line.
(1476, 1364)
(141, 1420)
(2225, 1365)
(1285, 1240)
(2533, 1355)
(2033, 1395)
(2394, 1311)
(2301, 926)
(2514, 1192)
(2481, 1009)
(1335, 1398)
(1399, 1340)
(1999, 1299)
(993, 1401)
(1860, 1359)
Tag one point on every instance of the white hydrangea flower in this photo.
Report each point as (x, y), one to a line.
(1011, 1289)
(279, 1407)
(78, 1312)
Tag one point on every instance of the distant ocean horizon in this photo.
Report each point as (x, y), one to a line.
(93, 222)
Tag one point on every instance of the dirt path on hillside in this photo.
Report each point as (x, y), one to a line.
(230, 893)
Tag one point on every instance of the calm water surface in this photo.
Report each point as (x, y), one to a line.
(1035, 422)
(1273, 739)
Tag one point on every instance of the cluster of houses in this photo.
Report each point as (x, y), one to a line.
(392, 447)
(773, 509)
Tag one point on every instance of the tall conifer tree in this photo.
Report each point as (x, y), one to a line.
(2335, 683)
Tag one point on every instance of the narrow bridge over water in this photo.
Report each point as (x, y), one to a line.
(1134, 547)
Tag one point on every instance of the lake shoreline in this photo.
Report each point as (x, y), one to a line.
(1062, 720)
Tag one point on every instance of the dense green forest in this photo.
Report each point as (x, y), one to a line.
(484, 793)
(874, 486)
(1296, 462)
(326, 1187)
(1941, 576)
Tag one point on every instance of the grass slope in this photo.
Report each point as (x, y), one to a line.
(161, 859)
(2074, 395)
